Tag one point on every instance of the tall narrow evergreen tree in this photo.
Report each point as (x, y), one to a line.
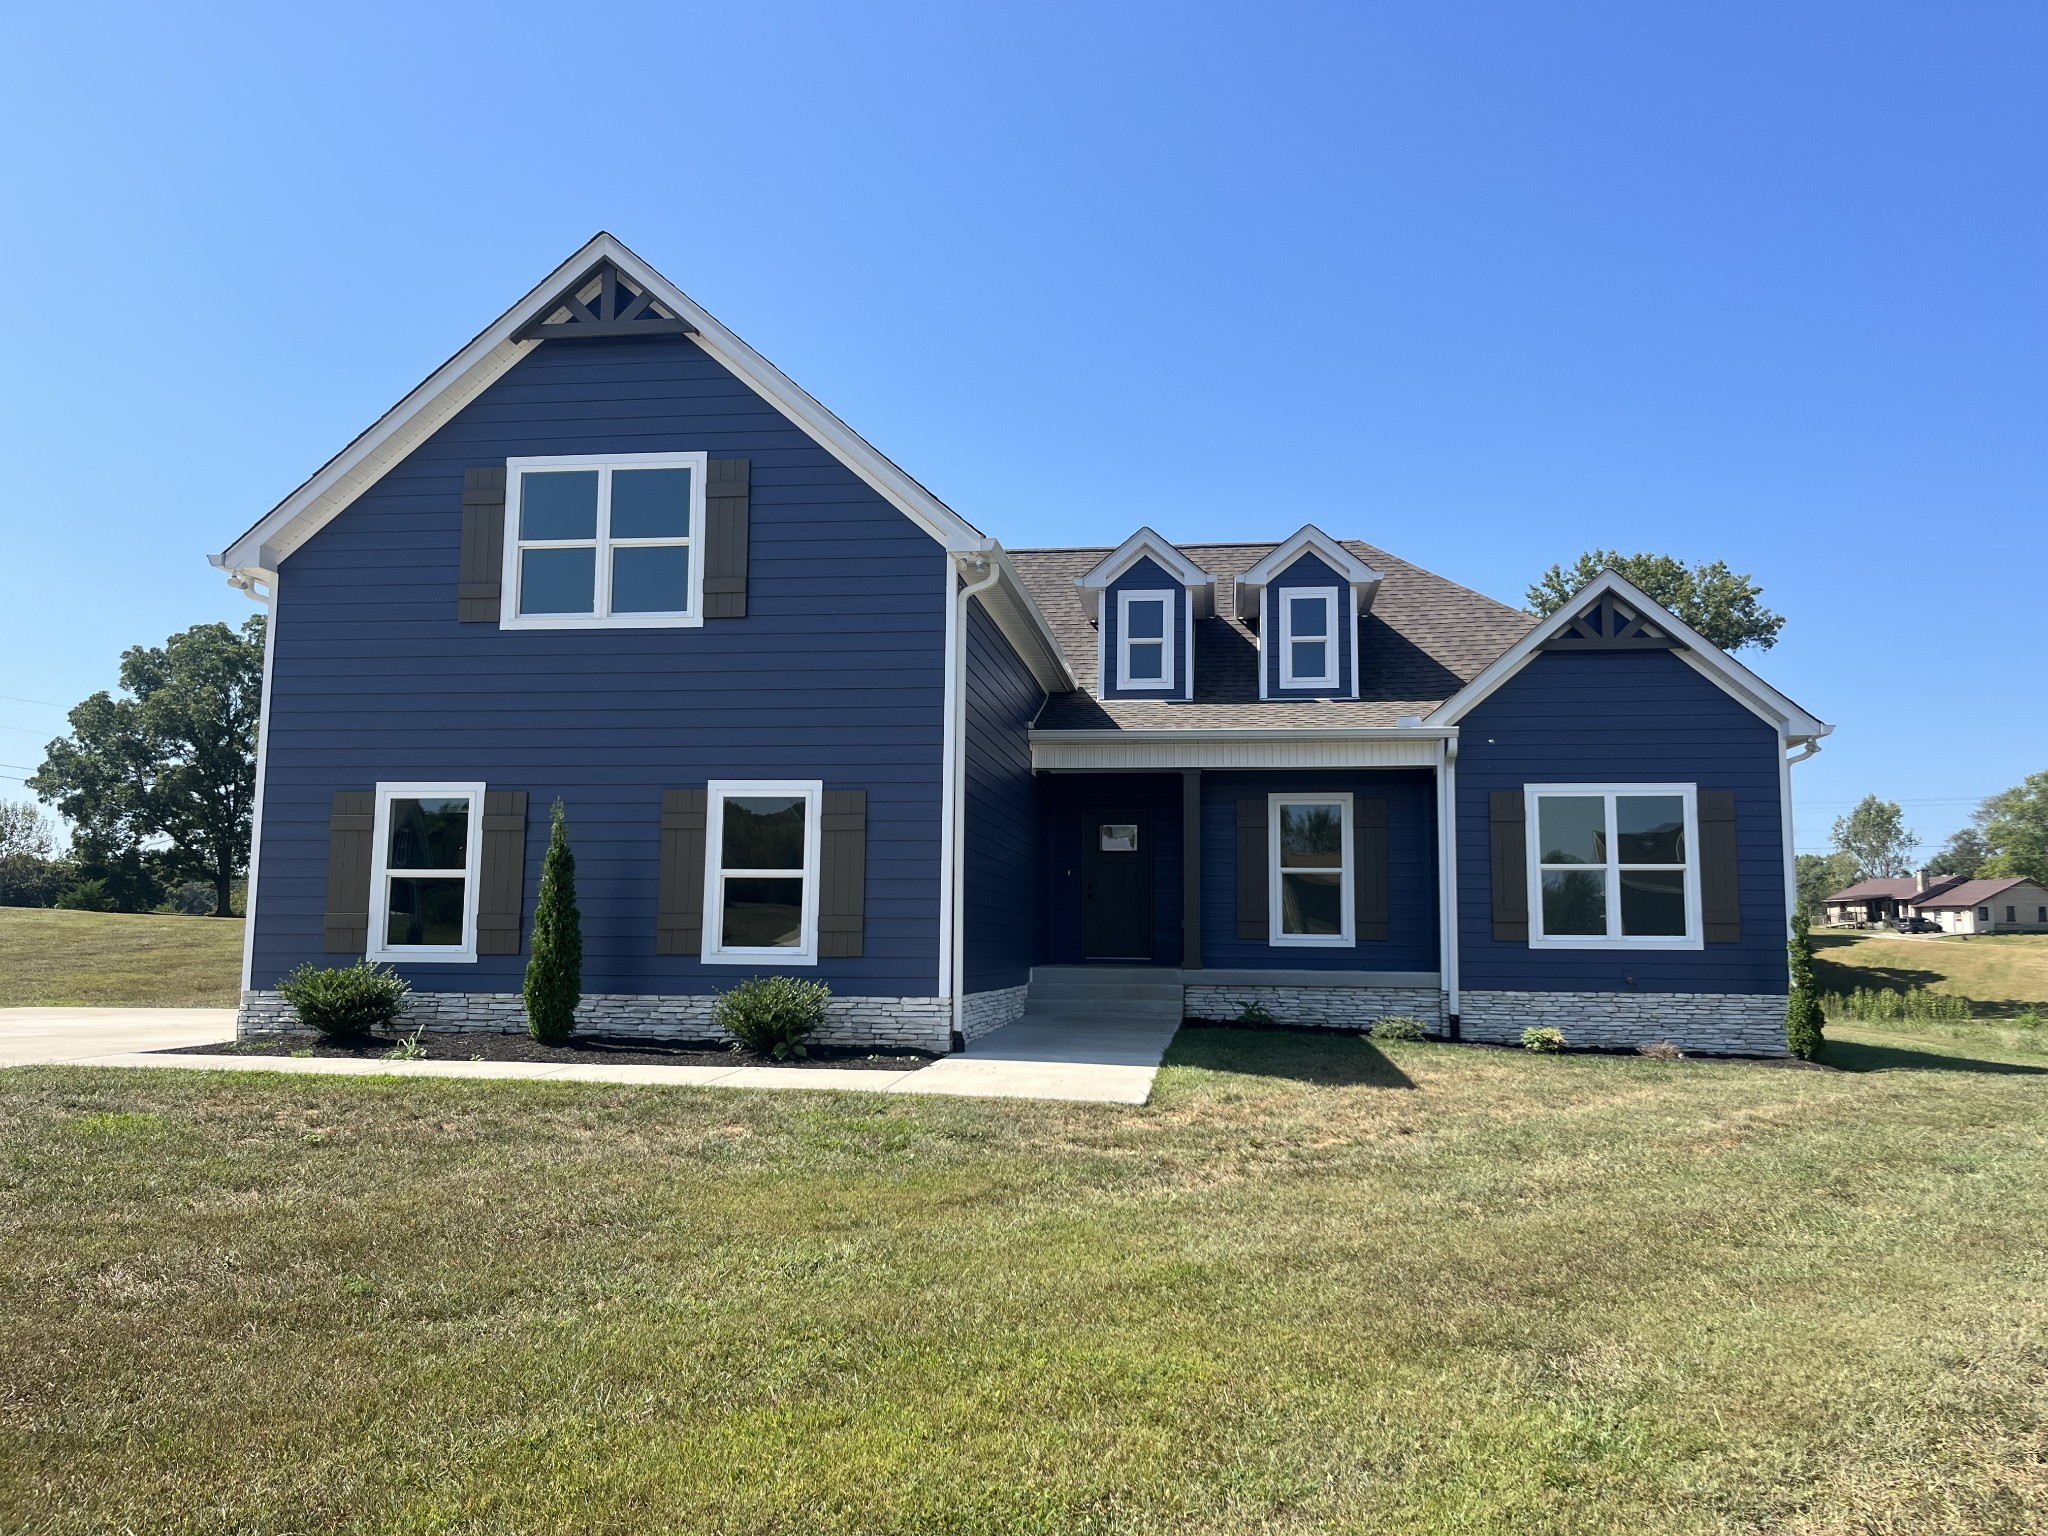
(554, 973)
(1803, 1016)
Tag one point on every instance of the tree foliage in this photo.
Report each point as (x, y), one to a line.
(1875, 838)
(1804, 1019)
(554, 970)
(1820, 875)
(170, 770)
(2014, 826)
(1721, 604)
(1963, 854)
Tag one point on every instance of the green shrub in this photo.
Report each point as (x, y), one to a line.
(1399, 1026)
(1543, 1038)
(1254, 1013)
(554, 972)
(2031, 1019)
(771, 1015)
(1887, 1005)
(86, 896)
(348, 1001)
(1804, 1018)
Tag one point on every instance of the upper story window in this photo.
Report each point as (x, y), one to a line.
(1310, 879)
(1145, 639)
(605, 541)
(424, 870)
(1308, 638)
(761, 875)
(1614, 864)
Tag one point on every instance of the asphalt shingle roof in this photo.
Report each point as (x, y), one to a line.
(1424, 640)
(1971, 893)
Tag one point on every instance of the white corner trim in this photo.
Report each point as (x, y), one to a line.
(1276, 867)
(1328, 677)
(256, 803)
(1694, 936)
(1125, 601)
(715, 950)
(380, 872)
(692, 617)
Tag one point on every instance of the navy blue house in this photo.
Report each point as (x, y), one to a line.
(804, 717)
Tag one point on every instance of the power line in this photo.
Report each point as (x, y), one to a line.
(15, 698)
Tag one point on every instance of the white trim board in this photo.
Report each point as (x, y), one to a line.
(714, 950)
(380, 872)
(1126, 600)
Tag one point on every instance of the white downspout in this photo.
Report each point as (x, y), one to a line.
(1808, 748)
(980, 573)
(248, 583)
(1447, 881)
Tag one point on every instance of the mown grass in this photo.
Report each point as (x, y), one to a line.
(1313, 1286)
(50, 958)
(2000, 973)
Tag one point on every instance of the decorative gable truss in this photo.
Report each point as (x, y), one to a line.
(605, 302)
(1611, 623)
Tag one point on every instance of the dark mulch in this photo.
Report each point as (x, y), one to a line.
(594, 1049)
(1509, 1045)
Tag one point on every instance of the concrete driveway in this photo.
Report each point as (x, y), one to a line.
(41, 1036)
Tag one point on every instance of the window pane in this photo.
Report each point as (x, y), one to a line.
(1572, 829)
(760, 914)
(1308, 658)
(1653, 903)
(1312, 904)
(1575, 904)
(558, 580)
(1148, 663)
(650, 503)
(1650, 829)
(1147, 620)
(558, 504)
(1311, 836)
(651, 578)
(1118, 837)
(429, 834)
(764, 832)
(1310, 616)
(425, 912)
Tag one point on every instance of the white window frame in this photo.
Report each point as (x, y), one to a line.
(1348, 845)
(1124, 601)
(715, 951)
(1289, 678)
(1694, 936)
(602, 617)
(380, 874)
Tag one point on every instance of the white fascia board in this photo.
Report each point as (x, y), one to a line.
(1713, 663)
(1127, 554)
(1333, 554)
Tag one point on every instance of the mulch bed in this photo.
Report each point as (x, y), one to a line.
(1508, 1045)
(596, 1050)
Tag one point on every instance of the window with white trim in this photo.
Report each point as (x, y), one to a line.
(1308, 637)
(1614, 865)
(613, 542)
(1308, 841)
(1144, 639)
(761, 872)
(424, 865)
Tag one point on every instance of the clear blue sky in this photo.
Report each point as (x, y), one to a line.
(1486, 285)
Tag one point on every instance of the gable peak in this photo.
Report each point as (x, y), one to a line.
(605, 301)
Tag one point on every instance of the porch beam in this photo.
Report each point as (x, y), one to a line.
(1191, 869)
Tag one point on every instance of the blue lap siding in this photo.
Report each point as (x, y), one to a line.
(836, 673)
(1616, 718)
(1003, 848)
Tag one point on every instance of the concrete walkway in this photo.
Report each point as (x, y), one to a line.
(1078, 1060)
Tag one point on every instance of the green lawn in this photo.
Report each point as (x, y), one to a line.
(118, 959)
(1312, 1287)
(2001, 973)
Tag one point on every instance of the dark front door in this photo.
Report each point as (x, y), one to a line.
(1116, 886)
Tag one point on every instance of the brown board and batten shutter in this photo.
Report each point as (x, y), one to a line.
(843, 874)
(1720, 890)
(479, 589)
(1508, 816)
(350, 828)
(679, 894)
(1369, 885)
(726, 500)
(503, 892)
(1253, 920)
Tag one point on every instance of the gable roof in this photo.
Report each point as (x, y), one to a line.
(502, 343)
(1705, 657)
(1970, 893)
(1895, 887)
(1425, 638)
(1096, 580)
(1308, 537)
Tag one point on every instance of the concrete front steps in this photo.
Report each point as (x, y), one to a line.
(1104, 994)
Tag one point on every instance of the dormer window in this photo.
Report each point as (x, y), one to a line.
(1146, 627)
(1308, 650)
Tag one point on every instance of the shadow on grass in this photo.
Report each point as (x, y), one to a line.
(1324, 1059)
(1856, 1056)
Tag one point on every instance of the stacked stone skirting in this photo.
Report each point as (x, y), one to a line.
(1327, 1007)
(896, 1023)
(1718, 1023)
(981, 1012)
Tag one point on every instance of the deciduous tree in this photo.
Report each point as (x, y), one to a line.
(1875, 838)
(1722, 605)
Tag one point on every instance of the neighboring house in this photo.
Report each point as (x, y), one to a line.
(1882, 900)
(804, 717)
(1986, 906)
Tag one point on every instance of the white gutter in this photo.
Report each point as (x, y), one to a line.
(981, 570)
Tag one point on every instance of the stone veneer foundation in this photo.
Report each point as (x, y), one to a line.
(1721, 1023)
(981, 1012)
(897, 1023)
(1329, 1007)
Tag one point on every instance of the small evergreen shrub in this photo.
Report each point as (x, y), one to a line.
(1543, 1039)
(771, 1015)
(1254, 1013)
(1662, 1050)
(345, 1002)
(1399, 1026)
(1804, 1018)
(554, 971)
(86, 896)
